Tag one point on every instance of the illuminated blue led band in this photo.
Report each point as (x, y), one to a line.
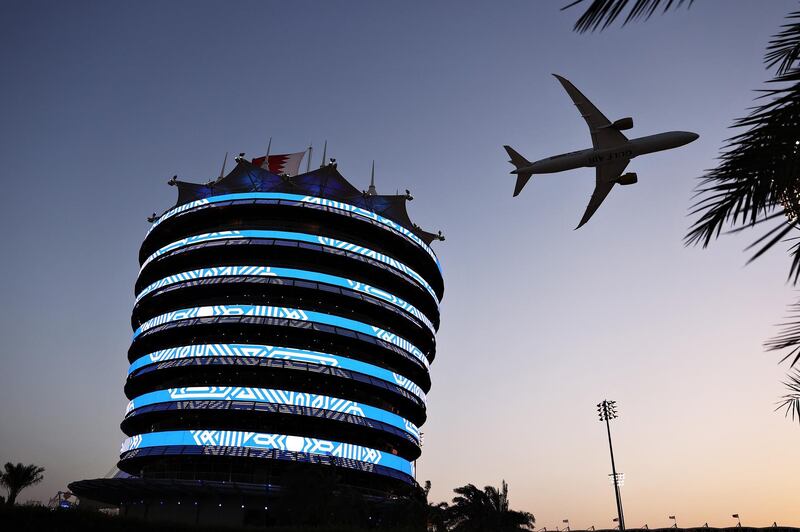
(269, 271)
(258, 440)
(336, 205)
(297, 237)
(278, 397)
(281, 353)
(286, 313)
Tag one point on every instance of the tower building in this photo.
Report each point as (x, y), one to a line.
(279, 323)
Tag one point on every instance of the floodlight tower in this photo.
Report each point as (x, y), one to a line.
(607, 410)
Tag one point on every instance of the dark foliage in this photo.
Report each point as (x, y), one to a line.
(602, 13)
(791, 401)
(479, 510)
(788, 340)
(784, 49)
(436, 514)
(16, 478)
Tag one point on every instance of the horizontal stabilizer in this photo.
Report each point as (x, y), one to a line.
(522, 180)
(519, 162)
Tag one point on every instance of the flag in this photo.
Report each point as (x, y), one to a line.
(736, 516)
(565, 521)
(672, 517)
(288, 163)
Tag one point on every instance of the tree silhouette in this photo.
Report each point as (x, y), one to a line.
(436, 514)
(18, 477)
(486, 510)
(757, 180)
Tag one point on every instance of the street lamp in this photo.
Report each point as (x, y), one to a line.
(607, 410)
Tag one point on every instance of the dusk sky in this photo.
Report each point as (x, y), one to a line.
(102, 102)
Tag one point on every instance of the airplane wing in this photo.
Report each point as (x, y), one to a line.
(603, 136)
(606, 176)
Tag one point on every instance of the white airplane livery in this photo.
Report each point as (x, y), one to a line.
(610, 154)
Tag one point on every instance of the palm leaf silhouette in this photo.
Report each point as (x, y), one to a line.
(602, 13)
(791, 401)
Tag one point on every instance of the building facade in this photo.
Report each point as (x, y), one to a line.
(280, 324)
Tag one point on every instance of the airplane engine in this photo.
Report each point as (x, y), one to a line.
(628, 179)
(623, 123)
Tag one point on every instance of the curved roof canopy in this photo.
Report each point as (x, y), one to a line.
(325, 182)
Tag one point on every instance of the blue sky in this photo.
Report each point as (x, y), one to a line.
(102, 102)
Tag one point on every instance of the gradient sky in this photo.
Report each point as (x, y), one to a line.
(101, 102)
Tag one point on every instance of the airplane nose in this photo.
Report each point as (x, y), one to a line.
(693, 136)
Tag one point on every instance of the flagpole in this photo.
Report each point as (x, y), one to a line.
(224, 162)
(265, 165)
(372, 191)
(308, 162)
(324, 154)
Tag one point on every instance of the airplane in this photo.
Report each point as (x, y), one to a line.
(610, 154)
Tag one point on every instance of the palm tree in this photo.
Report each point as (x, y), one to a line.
(486, 510)
(18, 477)
(435, 513)
(757, 180)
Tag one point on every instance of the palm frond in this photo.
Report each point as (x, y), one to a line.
(758, 178)
(602, 13)
(789, 337)
(791, 401)
(784, 48)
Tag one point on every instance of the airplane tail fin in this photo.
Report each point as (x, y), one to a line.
(519, 162)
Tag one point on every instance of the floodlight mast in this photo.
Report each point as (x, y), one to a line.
(607, 411)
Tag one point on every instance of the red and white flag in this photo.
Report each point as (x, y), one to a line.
(288, 163)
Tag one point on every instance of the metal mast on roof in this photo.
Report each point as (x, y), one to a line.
(269, 145)
(308, 162)
(371, 191)
(224, 162)
(324, 154)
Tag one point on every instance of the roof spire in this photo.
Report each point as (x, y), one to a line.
(324, 154)
(372, 191)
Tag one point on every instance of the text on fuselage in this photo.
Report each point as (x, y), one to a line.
(613, 156)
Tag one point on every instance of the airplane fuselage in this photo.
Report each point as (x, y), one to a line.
(624, 152)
